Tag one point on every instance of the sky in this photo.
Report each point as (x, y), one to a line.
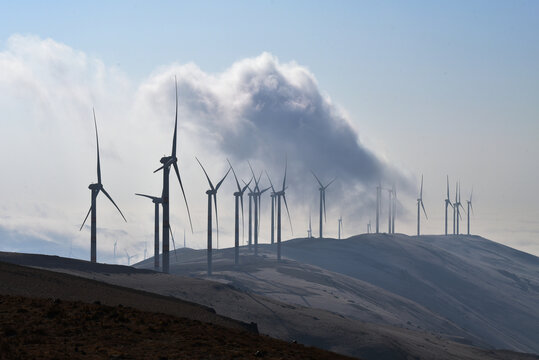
(358, 91)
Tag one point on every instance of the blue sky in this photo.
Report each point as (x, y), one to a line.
(431, 87)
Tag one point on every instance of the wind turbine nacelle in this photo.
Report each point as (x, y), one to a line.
(95, 186)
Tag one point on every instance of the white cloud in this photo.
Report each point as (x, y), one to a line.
(258, 109)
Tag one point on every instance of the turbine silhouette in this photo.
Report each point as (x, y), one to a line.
(281, 194)
(470, 207)
(238, 199)
(167, 162)
(96, 188)
(420, 204)
(322, 199)
(447, 204)
(212, 192)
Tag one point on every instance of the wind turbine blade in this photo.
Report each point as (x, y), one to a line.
(447, 187)
(235, 177)
(173, 243)
(175, 121)
(471, 194)
(324, 204)
(216, 216)
(98, 160)
(241, 201)
(148, 196)
(263, 191)
(159, 169)
(471, 207)
(288, 212)
(85, 219)
(331, 182)
(271, 184)
(421, 191)
(254, 176)
(423, 206)
(246, 186)
(107, 195)
(285, 169)
(223, 179)
(316, 177)
(183, 193)
(207, 177)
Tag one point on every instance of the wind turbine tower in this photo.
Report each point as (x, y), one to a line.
(322, 190)
(420, 204)
(129, 258)
(156, 201)
(389, 210)
(470, 207)
(340, 227)
(369, 227)
(394, 212)
(96, 188)
(378, 205)
(212, 192)
(447, 204)
(238, 199)
(167, 162)
(281, 194)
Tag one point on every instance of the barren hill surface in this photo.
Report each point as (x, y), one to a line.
(58, 329)
(488, 289)
(306, 325)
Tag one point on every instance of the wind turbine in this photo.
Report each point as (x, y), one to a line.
(390, 210)
(369, 227)
(129, 258)
(212, 192)
(458, 205)
(272, 196)
(378, 205)
(340, 227)
(420, 204)
(322, 199)
(470, 207)
(310, 231)
(281, 194)
(184, 238)
(168, 161)
(447, 203)
(156, 201)
(96, 188)
(394, 213)
(238, 199)
(256, 197)
(115, 243)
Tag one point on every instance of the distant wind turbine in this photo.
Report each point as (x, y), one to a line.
(389, 210)
(447, 204)
(310, 231)
(96, 188)
(322, 190)
(420, 204)
(340, 227)
(470, 207)
(257, 194)
(157, 201)
(129, 258)
(238, 199)
(281, 194)
(458, 205)
(212, 192)
(394, 212)
(167, 162)
(115, 243)
(369, 227)
(272, 197)
(378, 205)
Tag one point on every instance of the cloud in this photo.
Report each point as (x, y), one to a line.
(258, 109)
